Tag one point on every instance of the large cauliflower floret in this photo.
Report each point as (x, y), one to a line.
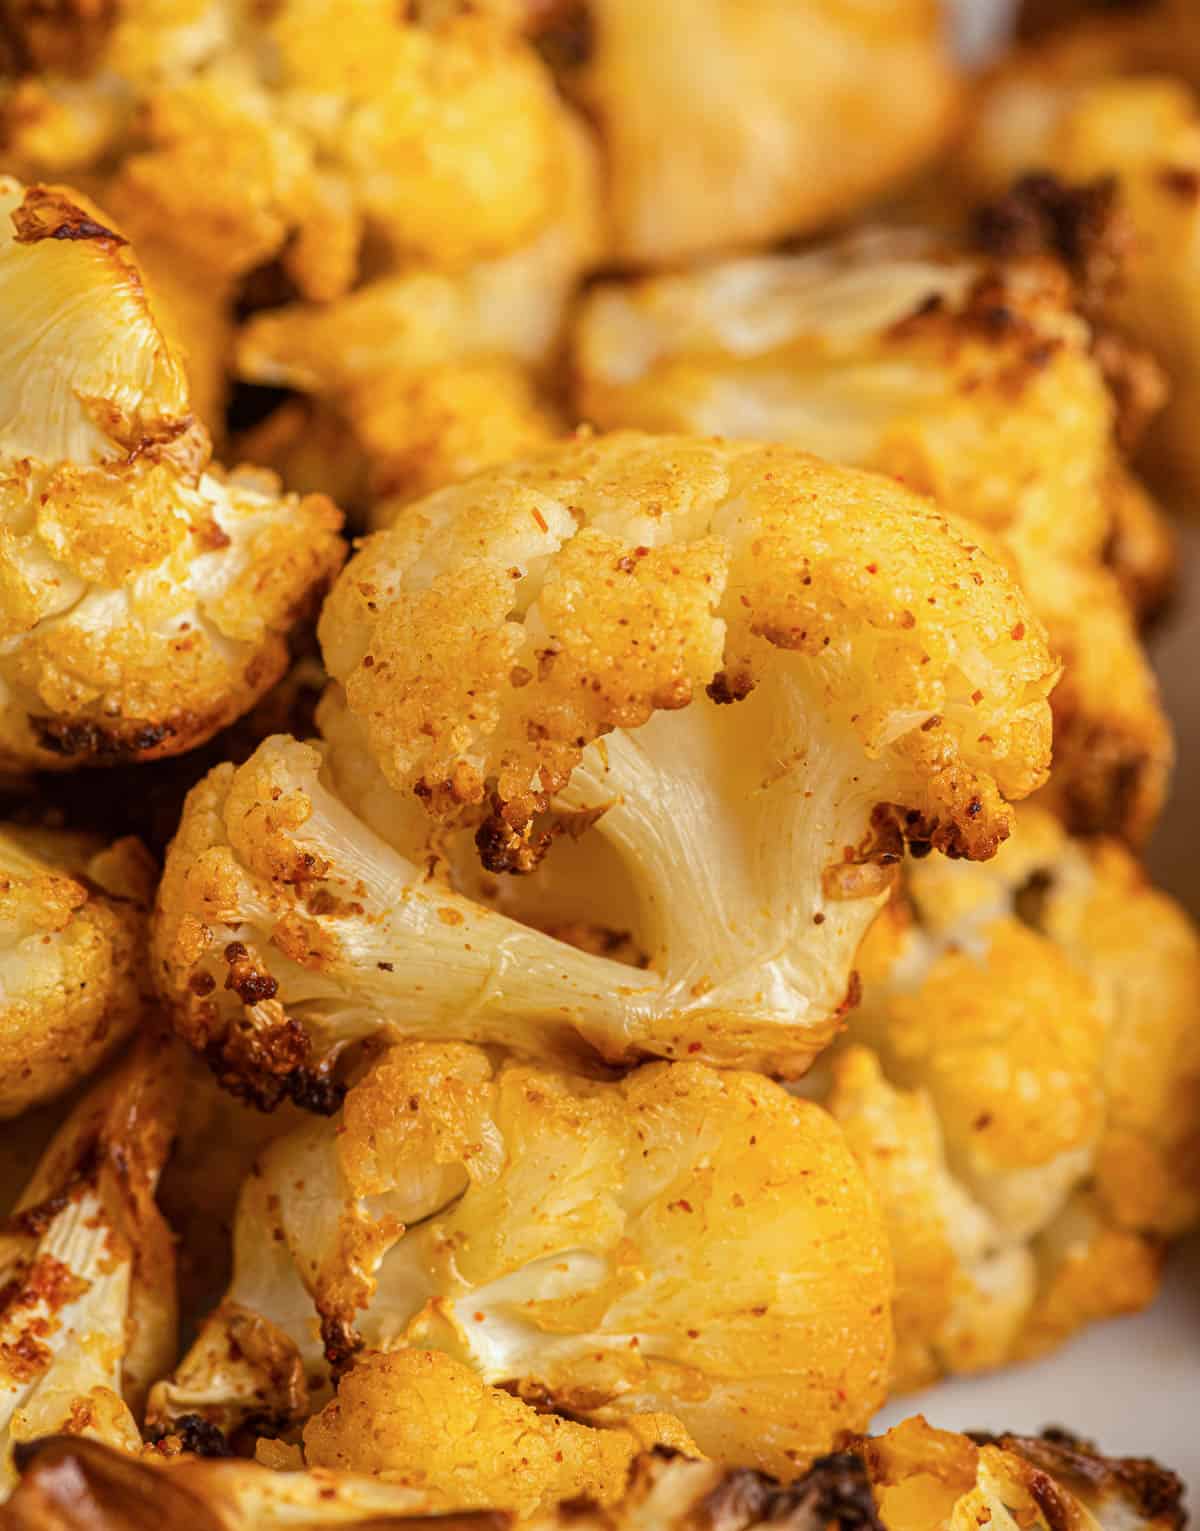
(714, 139)
(970, 379)
(145, 600)
(1029, 1175)
(87, 1289)
(681, 1241)
(546, 653)
(1117, 99)
(73, 916)
(911, 1479)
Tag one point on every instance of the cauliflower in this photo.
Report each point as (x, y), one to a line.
(543, 654)
(911, 1479)
(145, 599)
(970, 379)
(715, 139)
(1028, 1176)
(678, 1241)
(421, 1419)
(73, 917)
(1117, 99)
(87, 1290)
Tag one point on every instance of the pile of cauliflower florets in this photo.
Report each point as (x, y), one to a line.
(529, 984)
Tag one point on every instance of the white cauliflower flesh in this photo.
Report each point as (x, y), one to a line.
(1029, 1173)
(87, 1289)
(681, 1241)
(73, 925)
(729, 681)
(145, 600)
(911, 1479)
(971, 379)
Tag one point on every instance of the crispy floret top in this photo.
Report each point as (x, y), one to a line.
(73, 917)
(505, 624)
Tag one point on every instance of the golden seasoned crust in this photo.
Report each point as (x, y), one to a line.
(910, 1479)
(87, 1288)
(1029, 1174)
(1114, 100)
(146, 597)
(972, 378)
(73, 912)
(425, 1421)
(712, 140)
(682, 1241)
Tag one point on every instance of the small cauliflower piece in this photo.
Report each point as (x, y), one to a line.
(971, 379)
(425, 1421)
(87, 1285)
(714, 138)
(145, 597)
(913, 1478)
(73, 926)
(1116, 98)
(680, 1241)
(547, 652)
(1029, 1172)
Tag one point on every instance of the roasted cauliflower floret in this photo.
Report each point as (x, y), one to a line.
(911, 1479)
(1029, 1171)
(87, 1290)
(145, 598)
(423, 1420)
(545, 653)
(73, 917)
(680, 1241)
(1117, 99)
(715, 139)
(972, 380)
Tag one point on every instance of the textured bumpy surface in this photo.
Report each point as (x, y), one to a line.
(973, 378)
(73, 980)
(1115, 96)
(681, 1241)
(1024, 1088)
(711, 689)
(146, 598)
(911, 1479)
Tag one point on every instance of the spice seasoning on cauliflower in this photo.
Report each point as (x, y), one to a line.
(145, 597)
(1113, 102)
(680, 1241)
(913, 1478)
(73, 926)
(971, 379)
(1023, 1091)
(87, 1286)
(731, 679)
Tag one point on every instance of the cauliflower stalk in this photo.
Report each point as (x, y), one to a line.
(145, 599)
(73, 925)
(87, 1317)
(732, 679)
(680, 1242)
(1028, 1177)
(972, 380)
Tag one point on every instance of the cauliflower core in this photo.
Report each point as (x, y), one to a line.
(1024, 1092)
(73, 917)
(913, 1478)
(87, 1284)
(145, 600)
(1117, 99)
(731, 681)
(681, 1241)
(970, 379)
